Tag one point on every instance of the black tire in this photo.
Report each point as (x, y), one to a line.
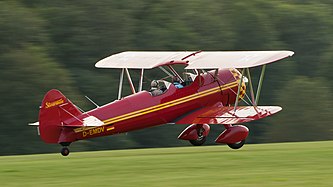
(199, 141)
(64, 151)
(237, 145)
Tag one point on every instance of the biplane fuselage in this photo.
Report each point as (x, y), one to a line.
(142, 110)
(207, 97)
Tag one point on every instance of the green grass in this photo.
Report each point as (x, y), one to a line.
(285, 164)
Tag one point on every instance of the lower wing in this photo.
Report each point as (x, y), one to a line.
(219, 114)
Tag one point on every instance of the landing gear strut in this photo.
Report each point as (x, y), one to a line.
(65, 151)
(201, 138)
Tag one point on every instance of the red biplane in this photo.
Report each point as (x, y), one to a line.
(208, 92)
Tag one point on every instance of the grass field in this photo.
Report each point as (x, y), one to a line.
(285, 164)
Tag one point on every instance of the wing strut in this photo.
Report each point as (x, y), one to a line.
(175, 73)
(260, 82)
(141, 81)
(165, 71)
(251, 87)
(215, 74)
(121, 83)
(130, 81)
(238, 91)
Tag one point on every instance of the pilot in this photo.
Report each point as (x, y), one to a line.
(176, 82)
(155, 90)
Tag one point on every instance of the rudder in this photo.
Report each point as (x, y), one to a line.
(55, 109)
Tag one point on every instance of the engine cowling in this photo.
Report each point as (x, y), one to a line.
(192, 132)
(233, 134)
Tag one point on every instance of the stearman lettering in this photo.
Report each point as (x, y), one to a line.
(54, 103)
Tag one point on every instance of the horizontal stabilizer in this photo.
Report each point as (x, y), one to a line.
(218, 114)
(90, 121)
(34, 124)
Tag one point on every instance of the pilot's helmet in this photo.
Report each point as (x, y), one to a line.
(175, 79)
(154, 83)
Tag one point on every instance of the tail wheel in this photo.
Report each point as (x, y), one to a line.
(237, 145)
(64, 151)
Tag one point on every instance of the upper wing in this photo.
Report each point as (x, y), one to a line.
(235, 59)
(141, 59)
(225, 115)
(195, 60)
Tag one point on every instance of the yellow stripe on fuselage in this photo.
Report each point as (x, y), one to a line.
(173, 101)
(164, 105)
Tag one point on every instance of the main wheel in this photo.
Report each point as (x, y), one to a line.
(237, 145)
(64, 151)
(201, 140)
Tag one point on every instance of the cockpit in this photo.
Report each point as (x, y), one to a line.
(158, 87)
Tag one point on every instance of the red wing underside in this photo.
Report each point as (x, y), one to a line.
(226, 115)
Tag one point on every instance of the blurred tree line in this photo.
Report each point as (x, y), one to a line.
(55, 44)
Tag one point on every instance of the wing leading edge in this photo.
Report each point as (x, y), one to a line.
(225, 115)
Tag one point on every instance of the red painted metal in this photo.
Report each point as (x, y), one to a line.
(171, 63)
(55, 109)
(141, 110)
(233, 134)
(191, 132)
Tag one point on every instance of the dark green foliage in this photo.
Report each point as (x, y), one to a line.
(308, 113)
(55, 44)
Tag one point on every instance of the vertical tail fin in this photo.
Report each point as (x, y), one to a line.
(55, 109)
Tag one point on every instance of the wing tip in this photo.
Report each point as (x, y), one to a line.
(290, 53)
